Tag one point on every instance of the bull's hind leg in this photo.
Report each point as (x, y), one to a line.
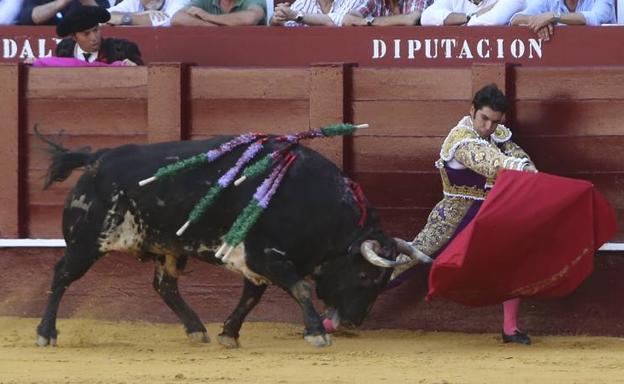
(165, 282)
(231, 328)
(70, 268)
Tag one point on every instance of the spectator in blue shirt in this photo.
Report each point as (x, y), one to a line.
(542, 15)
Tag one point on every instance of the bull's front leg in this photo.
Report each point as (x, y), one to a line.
(314, 329)
(281, 271)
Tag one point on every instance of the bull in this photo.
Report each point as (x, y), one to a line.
(310, 229)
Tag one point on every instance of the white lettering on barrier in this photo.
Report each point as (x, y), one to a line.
(27, 51)
(460, 49)
(9, 48)
(44, 48)
(480, 48)
(379, 49)
(465, 51)
(414, 46)
(397, 48)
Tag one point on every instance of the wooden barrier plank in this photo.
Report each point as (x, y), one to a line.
(383, 154)
(401, 189)
(489, 73)
(39, 158)
(551, 154)
(327, 106)
(569, 118)
(10, 148)
(411, 84)
(569, 83)
(89, 116)
(409, 117)
(87, 83)
(271, 84)
(166, 95)
(232, 117)
(575, 154)
(55, 194)
(45, 221)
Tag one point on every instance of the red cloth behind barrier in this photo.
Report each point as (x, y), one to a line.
(535, 235)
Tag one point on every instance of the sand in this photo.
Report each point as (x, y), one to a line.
(94, 351)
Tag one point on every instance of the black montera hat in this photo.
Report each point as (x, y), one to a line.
(80, 18)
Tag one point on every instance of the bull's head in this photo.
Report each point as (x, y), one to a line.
(349, 285)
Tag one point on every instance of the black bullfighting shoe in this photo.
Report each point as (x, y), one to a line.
(517, 337)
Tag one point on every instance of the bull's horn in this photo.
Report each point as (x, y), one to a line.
(372, 257)
(413, 252)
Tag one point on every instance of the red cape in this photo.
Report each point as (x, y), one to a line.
(535, 235)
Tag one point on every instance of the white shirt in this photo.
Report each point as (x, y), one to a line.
(170, 7)
(79, 54)
(336, 13)
(596, 12)
(500, 14)
(9, 9)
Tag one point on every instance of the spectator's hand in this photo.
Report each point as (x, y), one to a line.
(350, 20)
(284, 11)
(128, 63)
(194, 11)
(544, 33)
(538, 22)
(156, 17)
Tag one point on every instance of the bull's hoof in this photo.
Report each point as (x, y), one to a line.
(228, 341)
(199, 337)
(318, 340)
(44, 341)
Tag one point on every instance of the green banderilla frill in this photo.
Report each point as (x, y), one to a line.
(243, 223)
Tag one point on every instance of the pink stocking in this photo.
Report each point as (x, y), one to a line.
(510, 316)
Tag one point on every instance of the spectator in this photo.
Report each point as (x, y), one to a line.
(9, 10)
(86, 42)
(145, 12)
(387, 12)
(471, 12)
(212, 13)
(542, 15)
(330, 13)
(50, 12)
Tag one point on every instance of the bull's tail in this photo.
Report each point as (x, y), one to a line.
(63, 160)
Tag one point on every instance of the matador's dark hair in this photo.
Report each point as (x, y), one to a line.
(490, 96)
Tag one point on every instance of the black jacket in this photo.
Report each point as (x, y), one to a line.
(110, 50)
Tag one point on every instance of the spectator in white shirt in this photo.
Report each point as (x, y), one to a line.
(471, 12)
(542, 15)
(9, 9)
(145, 12)
(330, 13)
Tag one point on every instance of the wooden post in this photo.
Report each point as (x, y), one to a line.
(167, 85)
(12, 195)
(484, 74)
(328, 105)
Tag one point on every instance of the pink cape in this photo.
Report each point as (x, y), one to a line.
(534, 236)
(71, 62)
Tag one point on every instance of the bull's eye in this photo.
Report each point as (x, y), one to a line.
(364, 276)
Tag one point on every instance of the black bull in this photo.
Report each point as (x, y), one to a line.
(309, 229)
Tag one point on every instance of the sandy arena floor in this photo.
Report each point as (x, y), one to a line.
(92, 351)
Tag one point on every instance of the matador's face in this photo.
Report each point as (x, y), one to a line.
(485, 120)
